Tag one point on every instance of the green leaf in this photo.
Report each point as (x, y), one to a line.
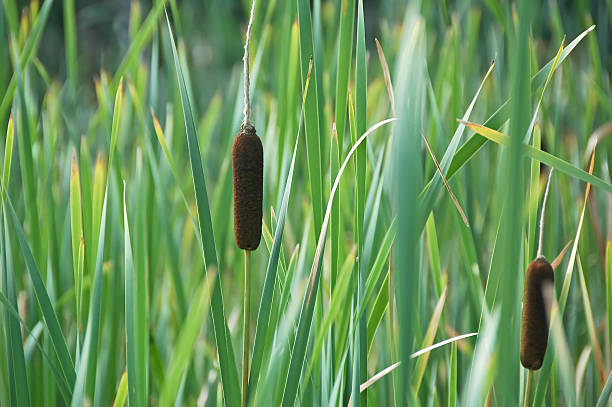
(542, 156)
(264, 329)
(76, 227)
(8, 153)
(70, 43)
(122, 391)
(86, 369)
(605, 393)
(360, 364)
(17, 374)
(136, 369)
(184, 348)
(49, 315)
(452, 374)
(303, 329)
(229, 373)
(471, 147)
(311, 113)
(29, 50)
(139, 41)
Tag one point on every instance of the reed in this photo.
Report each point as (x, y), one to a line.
(247, 172)
(534, 321)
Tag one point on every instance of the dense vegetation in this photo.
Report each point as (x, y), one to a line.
(121, 281)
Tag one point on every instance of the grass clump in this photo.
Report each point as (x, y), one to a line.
(380, 274)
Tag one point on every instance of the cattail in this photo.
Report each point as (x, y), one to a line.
(534, 326)
(247, 165)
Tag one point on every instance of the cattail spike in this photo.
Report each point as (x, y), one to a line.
(534, 324)
(247, 166)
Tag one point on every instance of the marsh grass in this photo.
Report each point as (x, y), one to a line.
(120, 281)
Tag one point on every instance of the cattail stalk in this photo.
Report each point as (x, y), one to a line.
(534, 322)
(245, 331)
(247, 170)
(540, 240)
(528, 388)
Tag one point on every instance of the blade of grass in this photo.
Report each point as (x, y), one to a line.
(431, 192)
(85, 377)
(407, 183)
(26, 161)
(452, 374)
(338, 300)
(17, 374)
(510, 189)
(608, 282)
(87, 366)
(605, 393)
(70, 46)
(33, 340)
(345, 51)
(138, 42)
(311, 113)
(76, 227)
(8, 152)
(590, 322)
(430, 335)
(542, 156)
(559, 310)
(136, 374)
(229, 372)
(360, 365)
(303, 330)
(122, 391)
(187, 338)
(29, 50)
(381, 304)
(49, 315)
(471, 147)
(424, 351)
(263, 328)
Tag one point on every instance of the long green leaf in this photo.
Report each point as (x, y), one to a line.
(360, 365)
(229, 373)
(18, 379)
(303, 330)
(136, 376)
(187, 339)
(311, 112)
(471, 147)
(139, 41)
(27, 53)
(542, 156)
(89, 356)
(49, 315)
(263, 329)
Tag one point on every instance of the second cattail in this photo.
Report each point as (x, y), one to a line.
(534, 325)
(247, 166)
(540, 276)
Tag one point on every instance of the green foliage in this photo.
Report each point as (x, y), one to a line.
(120, 282)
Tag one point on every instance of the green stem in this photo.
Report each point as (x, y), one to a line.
(528, 387)
(245, 331)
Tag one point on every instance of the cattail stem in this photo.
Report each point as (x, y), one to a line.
(527, 397)
(245, 60)
(541, 239)
(245, 331)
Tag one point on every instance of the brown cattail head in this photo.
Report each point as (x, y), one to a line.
(534, 326)
(247, 165)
